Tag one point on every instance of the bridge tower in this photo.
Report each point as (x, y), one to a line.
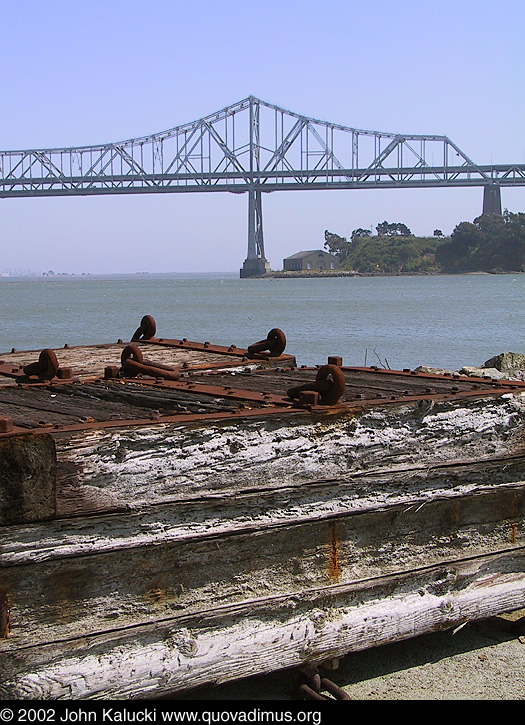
(492, 199)
(255, 264)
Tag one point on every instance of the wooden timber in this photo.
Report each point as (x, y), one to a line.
(159, 535)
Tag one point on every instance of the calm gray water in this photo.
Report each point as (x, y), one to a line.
(446, 321)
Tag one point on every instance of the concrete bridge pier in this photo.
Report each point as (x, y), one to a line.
(492, 199)
(255, 264)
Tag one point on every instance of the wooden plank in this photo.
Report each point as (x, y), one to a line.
(120, 571)
(27, 479)
(146, 465)
(208, 648)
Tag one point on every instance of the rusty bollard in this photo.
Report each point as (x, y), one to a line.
(46, 368)
(329, 384)
(133, 363)
(146, 330)
(272, 346)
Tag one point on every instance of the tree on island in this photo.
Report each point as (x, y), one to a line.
(337, 245)
(361, 234)
(396, 229)
(492, 242)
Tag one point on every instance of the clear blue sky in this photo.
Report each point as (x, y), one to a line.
(83, 72)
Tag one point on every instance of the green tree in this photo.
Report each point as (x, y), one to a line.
(493, 242)
(337, 245)
(513, 251)
(396, 229)
(360, 234)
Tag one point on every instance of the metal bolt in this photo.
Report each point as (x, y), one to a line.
(111, 372)
(6, 424)
(335, 360)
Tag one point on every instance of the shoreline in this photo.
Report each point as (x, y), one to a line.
(300, 275)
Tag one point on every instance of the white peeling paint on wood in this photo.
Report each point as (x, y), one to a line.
(210, 574)
(138, 467)
(185, 658)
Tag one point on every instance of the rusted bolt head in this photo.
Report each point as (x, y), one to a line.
(64, 373)
(111, 372)
(335, 360)
(6, 424)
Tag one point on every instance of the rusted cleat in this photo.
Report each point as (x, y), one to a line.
(147, 329)
(133, 364)
(46, 368)
(329, 383)
(273, 346)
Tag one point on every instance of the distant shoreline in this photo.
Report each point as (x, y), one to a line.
(270, 275)
(342, 273)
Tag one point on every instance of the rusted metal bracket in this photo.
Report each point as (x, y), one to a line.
(133, 364)
(328, 386)
(45, 369)
(273, 346)
(316, 685)
(230, 351)
(146, 329)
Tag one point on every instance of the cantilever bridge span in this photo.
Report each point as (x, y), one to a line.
(253, 147)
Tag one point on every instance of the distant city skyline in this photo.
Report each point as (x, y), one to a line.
(104, 72)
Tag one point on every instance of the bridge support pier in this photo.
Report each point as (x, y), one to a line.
(492, 199)
(255, 264)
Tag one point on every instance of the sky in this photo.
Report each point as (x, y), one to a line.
(81, 72)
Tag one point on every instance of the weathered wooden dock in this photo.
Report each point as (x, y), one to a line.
(220, 512)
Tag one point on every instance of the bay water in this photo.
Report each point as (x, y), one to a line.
(398, 322)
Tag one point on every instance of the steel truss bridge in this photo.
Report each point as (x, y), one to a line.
(253, 147)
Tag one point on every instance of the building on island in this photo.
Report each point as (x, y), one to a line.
(315, 260)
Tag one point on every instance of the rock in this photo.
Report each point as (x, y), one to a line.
(433, 371)
(481, 372)
(506, 361)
